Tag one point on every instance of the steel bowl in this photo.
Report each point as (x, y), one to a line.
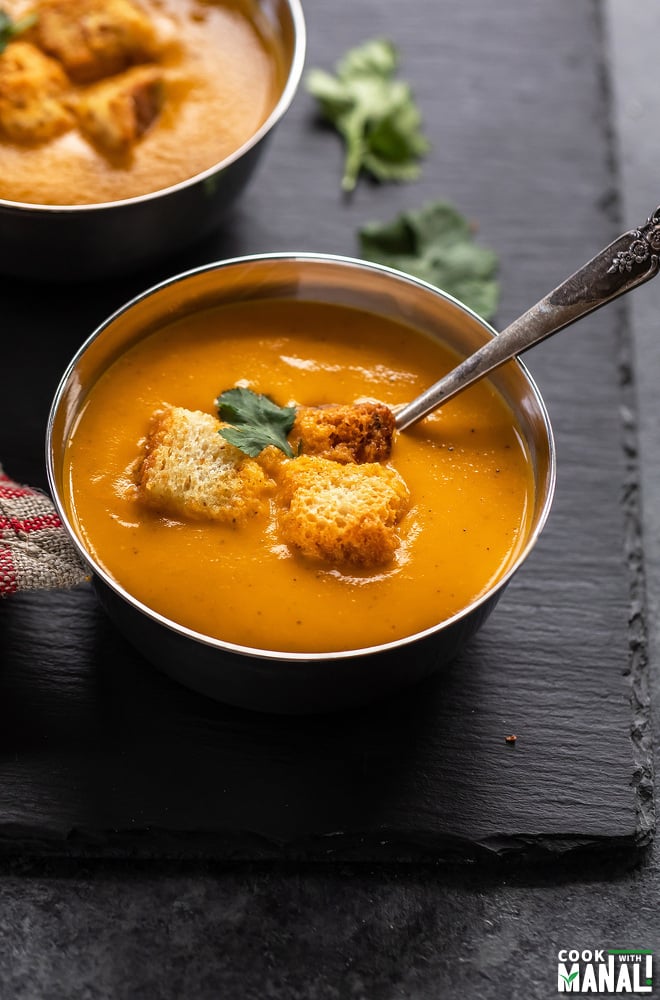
(80, 242)
(260, 678)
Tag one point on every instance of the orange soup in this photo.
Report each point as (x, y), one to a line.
(216, 75)
(466, 468)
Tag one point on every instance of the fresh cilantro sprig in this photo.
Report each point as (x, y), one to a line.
(10, 29)
(256, 421)
(437, 245)
(375, 114)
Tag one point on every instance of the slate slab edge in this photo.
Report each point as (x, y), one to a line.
(248, 847)
(632, 147)
(641, 735)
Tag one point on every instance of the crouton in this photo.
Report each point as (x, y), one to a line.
(189, 470)
(358, 433)
(115, 113)
(95, 38)
(341, 513)
(32, 87)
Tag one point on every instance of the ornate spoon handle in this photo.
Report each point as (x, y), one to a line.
(629, 261)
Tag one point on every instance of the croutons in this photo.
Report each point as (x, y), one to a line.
(341, 513)
(358, 433)
(95, 38)
(115, 113)
(32, 88)
(334, 512)
(189, 470)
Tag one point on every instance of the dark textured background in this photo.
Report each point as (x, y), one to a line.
(516, 103)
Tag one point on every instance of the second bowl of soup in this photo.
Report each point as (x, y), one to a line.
(129, 127)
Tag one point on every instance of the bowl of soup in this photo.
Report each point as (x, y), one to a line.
(129, 127)
(317, 572)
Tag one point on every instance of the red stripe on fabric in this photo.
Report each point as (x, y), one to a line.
(14, 492)
(8, 582)
(28, 525)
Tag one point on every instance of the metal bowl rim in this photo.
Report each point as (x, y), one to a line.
(281, 655)
(282, 105)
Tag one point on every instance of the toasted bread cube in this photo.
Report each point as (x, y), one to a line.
(32, 87)
(190, 471)
(95, 38)
(341, 513)
(117, 112)
(358, 433)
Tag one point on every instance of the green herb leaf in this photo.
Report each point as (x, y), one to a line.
(437, 245)
(256, 421)
(10, 29)
(375, 114)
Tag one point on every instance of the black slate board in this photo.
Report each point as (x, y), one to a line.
(100, 754)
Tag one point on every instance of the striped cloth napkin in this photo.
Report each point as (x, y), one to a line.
(35, 550)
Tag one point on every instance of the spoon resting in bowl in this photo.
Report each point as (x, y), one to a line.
(632, 259)
(363, 432)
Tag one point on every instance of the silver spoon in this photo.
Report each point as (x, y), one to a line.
(629, 261)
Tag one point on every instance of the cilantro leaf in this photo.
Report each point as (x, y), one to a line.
(437, 245)
(256, 421)
(10, 29)
(375, 114)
